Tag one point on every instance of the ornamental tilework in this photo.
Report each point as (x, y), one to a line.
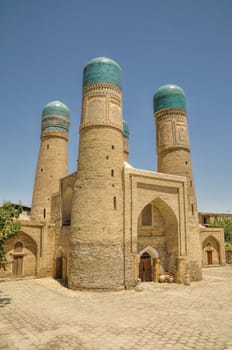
(105, 72)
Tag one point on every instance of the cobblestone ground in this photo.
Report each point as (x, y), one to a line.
(42, 314)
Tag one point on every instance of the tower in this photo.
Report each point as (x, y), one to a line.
(96, 249)
(52, 160)
(125, 141)
(173, 150)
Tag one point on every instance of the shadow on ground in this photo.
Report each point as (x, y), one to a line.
(4, 300)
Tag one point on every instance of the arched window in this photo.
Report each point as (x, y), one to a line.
(18, 247)
(147, 215)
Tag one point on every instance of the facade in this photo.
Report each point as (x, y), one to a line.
(108, 224)
(213, 253)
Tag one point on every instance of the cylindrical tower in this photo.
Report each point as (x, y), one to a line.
(53, 158)
(125, 141)
(96, 249)
(173, 152)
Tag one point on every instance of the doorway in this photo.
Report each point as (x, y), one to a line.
(18, 266)
(210, 257)
(59, 267)
(145, 268)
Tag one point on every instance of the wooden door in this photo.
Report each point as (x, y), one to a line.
(145, 268)
(210, 257)
(18, 266)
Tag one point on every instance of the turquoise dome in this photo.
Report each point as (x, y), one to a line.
(55, 118)
(102, 70)
(125, 129)
(56, 108)
(169, 96)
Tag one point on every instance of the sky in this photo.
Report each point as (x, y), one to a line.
(45, 45)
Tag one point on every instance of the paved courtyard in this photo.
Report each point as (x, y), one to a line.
(42, 314)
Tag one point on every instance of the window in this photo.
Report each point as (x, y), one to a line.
(18, 247)
(115, 203)
(147, 215)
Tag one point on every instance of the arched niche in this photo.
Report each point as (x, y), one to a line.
(211, 251)
(22, 255)
(159, 238)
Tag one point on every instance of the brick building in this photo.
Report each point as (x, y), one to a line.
(108, 223)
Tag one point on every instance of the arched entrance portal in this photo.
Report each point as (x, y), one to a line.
(149, 266)
(211, 251)
(157, 239)
(145, 267)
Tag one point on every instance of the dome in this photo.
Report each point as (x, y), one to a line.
(169, 96)
(102, 70)
(125, 129)
(56, 108)
(55, 118)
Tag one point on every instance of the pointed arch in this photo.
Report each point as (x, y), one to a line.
(160, 239)
(211, 240)
(25, 239)
(211, 251)
(150, 250)
(59, 252)
(22, 255)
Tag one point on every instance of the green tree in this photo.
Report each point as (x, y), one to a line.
(9, 226)
(224, 222)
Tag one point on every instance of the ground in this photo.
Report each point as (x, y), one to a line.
(42, 314)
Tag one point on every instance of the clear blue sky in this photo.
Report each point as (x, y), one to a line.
(45, 44)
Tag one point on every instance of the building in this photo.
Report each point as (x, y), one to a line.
(108, 223)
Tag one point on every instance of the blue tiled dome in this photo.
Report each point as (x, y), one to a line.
(125, 129)
(56, 108)
(102, 70)
(169, 96)
(55, 118)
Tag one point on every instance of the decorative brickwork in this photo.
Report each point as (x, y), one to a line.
(108, 224)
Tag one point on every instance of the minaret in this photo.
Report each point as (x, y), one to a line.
(125, 141)
(96, 259)
(173, 151)
(53, 158)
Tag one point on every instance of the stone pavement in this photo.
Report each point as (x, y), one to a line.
(42, 314)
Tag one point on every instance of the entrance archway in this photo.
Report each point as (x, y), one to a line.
(145, 267)
(210, 251)
(148, 263)
(157, 227)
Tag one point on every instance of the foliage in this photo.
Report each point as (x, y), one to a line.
(228, 246)
(224, 222)
(9, 226)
